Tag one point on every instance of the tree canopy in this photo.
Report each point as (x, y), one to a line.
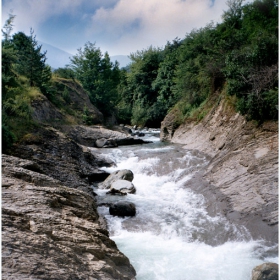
(240, 55)
(98, 75)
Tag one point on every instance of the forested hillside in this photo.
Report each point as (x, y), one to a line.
(237, 58)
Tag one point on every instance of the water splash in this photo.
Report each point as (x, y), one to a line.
(172, 236)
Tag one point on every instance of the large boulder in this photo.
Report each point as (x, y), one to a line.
(124, 174)
(122, 187)
(106, 143)
(123, 209)
(265, 271)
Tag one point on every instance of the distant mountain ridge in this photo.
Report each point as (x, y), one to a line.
(58, 58)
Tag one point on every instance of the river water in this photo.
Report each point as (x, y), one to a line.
(172, 237)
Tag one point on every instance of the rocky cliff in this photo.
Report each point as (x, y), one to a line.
(51, 231)
(243, 172)
(50, 224)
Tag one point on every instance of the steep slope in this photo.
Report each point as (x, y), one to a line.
(243, 172)
(70, 104)
(51, 228)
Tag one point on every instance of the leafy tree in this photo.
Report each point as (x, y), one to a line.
(8, 55)
(30, 60)
(164, 82)
(251, 69)
(98, 75)
(23, 66)
(140, 77)
(198, 66)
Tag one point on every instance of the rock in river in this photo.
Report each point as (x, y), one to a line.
(124, 174)
(122, 209)
(122, 186)
(265, 271)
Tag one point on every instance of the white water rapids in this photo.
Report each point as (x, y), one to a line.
(172, 237)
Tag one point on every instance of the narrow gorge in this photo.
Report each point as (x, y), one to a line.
(222, 165)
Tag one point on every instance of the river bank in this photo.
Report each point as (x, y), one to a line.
(242, 176)
(50, 225)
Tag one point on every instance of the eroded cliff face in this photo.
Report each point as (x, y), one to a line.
(243, 172)
(51, 231)
(51, 228)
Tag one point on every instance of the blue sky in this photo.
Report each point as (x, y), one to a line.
(120, 27)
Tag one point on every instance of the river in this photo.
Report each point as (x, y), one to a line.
(172, 236)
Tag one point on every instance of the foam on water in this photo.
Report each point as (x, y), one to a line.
(158, 258)
(172, 236)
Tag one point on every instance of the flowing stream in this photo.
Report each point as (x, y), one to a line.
(172, 237)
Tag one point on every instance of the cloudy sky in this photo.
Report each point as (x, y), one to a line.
(120, 27)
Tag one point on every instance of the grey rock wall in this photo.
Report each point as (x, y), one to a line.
(51, 231)
(244, 165)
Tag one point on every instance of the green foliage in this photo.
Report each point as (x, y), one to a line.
(66, 73)
(251, 70)
(65, 95)
(137, 88)
(87, 119)
(24, 76)
(30, 60)
(98, 75)
(139, 114)
(8, 138)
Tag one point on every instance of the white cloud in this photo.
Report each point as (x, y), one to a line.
(117, 26)
(31, 13)
(157, 21)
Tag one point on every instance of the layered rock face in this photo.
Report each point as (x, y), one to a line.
(51, 228)
(62, 158)
(99, 136)
(51, 231)
(243, 172)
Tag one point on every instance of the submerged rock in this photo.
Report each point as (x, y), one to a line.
(266, 271)
(123, 209)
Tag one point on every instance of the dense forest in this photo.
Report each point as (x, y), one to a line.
(237, 58)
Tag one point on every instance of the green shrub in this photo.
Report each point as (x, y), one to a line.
(87, 119)
(66, 95)
(8, 138)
